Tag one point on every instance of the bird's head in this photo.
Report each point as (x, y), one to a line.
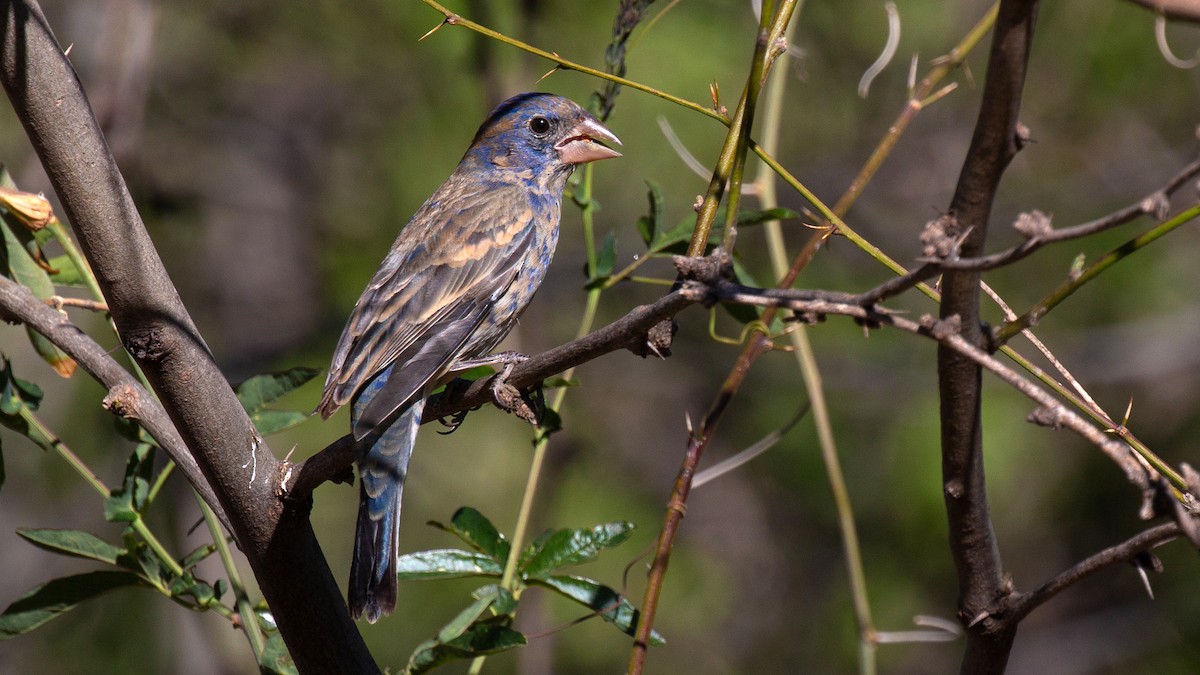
(543, 134)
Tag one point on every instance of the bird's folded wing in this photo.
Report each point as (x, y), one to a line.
(419, 312)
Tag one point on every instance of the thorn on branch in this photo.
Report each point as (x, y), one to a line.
(1146, 561)
(1022, 136)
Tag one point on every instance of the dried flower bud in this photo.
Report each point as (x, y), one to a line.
(32, 210)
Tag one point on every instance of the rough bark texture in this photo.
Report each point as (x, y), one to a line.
(996, 140)
(155, 327)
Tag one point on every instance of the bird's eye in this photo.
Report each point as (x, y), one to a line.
(539, 125)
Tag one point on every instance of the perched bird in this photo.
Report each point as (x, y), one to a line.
(451, 287)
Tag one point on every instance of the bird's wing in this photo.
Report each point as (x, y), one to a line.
(459, 253)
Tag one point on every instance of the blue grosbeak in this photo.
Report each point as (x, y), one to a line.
(449, 290)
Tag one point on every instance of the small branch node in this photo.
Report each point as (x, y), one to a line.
(940, 238)
(1033, 225)
(1156, 205)
(123, 401)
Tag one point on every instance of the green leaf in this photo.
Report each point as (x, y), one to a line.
(65, 273)
(17, 393)
(258, 391)
(124, 503)
(74, 543)
(482, 638)
(18, 399)
(484, 597)
(604, 600)
(56, 597)
(447, 563)
(680, 234)
(572, 547)
(746, 218)
(143, 561)
(190, 560)
(477, 532)
(274, 421)
(606, 257)
(275, 657)
(648, 225)
(188, 585)
(551, 422)
(606, 260)
(559, 381)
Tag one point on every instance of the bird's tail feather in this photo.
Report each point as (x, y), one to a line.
(382, 468)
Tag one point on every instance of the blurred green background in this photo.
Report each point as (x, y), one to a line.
(275, 148)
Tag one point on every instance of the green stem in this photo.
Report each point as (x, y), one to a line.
(48, 441)
(249, 619)
(810, 371)
(1073, 284)
(455, 20)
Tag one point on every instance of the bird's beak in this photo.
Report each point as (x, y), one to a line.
(582, 143)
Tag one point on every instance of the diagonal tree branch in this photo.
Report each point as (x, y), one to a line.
(156, 329)
(1021, 605)
(126, 398)
(628, 332)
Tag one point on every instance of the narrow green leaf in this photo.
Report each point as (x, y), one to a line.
(65, 273)
(604, 600)
(190, 560)
(125, 502)
(559, 381)
(274, 421)
(477, 532)
(746, 218)
(76, 543)
(606, 257)
(606, 260)
(482, 638)
(447, 563)
(260, 390)
(573, 547)
(275, 657)
(56, 597)
(460, 623)
(649, 224)
(505, 603)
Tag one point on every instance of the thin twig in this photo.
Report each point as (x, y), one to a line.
(1154, 203)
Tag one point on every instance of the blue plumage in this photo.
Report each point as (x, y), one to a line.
(452, 286)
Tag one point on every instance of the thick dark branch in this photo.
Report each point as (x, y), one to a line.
(628, 332)
(127, 398)
(996, 140)
(155, 328)
(1155, 203)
